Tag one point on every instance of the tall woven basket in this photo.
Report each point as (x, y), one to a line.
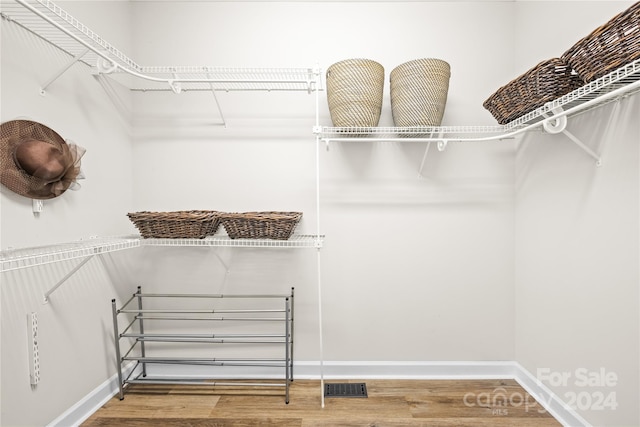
(354, 92)
(419, 90)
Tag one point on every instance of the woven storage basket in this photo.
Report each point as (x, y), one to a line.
(419, 90)
(177, 224)
(545, 82)
(608, 47)
(354, 92)
(260, 225)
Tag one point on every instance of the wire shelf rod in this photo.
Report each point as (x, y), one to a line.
(203, 381)
(203, 311)
(214, 296)
(280, 363)
(209, 340)
(152, 335)
(221, 319)
(207, 359)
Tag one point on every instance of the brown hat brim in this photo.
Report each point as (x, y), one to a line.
(12, 176)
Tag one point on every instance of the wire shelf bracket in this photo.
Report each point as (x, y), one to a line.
(558, 124)
(66, 277)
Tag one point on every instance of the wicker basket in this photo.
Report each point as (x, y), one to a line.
(260, 225)
(419, 90)
(545, 82)
(177, 224)
(354, 92)
(608, 47)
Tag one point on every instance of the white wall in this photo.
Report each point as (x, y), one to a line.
(76, 353)
(409, 260)
(577, 262)
(577, 251)
(414, 268)
(79, 109)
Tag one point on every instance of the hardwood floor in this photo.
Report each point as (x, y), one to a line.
(391, 403)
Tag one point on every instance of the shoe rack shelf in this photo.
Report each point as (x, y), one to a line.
(149, 328)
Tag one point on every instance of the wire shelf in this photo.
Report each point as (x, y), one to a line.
(54, 25)
(295, 241)
(14, 259)
(624, 81)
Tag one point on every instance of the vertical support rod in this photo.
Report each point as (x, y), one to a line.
(141, 324)
(287, 353)
(116, 338)
(292, 320)
(320, 343)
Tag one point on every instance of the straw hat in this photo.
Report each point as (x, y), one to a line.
(35, 161)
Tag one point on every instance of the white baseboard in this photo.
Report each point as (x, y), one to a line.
(93, 401)
(566, 415)
(404, 370)
(334, 370)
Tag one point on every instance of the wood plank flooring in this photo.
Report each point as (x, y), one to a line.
(392, 403)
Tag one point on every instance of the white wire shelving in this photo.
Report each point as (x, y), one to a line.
(51, 23)
(551, 117)
(295, 241)
(15, 259)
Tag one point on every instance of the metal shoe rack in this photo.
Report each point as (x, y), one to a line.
(145, 336)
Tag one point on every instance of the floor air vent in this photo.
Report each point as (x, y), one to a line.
(345, 390)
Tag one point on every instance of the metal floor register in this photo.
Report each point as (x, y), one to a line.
(345, 390)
